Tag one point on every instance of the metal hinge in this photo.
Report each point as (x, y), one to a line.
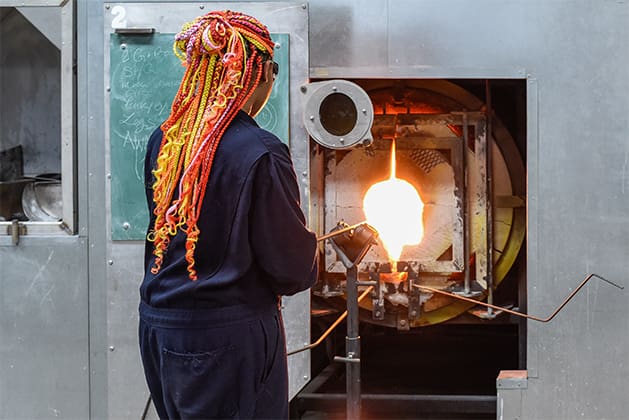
(15, 230)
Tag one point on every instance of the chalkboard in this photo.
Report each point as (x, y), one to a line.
(144, 78)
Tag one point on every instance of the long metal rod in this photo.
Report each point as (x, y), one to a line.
(332, 327)
(534, 318)
(466, 210)
(352, 346)
(426, 405)
(489, 141)
(338, 232)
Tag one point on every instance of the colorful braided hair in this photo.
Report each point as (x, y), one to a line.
(223, 53)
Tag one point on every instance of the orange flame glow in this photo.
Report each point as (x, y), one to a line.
(394, 208)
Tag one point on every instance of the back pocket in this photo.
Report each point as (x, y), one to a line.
(202, 385)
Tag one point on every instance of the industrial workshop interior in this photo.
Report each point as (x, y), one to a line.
(463, 163)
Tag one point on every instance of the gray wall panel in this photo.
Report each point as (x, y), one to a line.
(582, 212)
(44, 346)
(460, 33)
(44, 330)
(127, 388)
(343, 34)
(575, 55)
(90, 126)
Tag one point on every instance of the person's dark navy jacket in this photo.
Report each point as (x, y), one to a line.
(253, 243)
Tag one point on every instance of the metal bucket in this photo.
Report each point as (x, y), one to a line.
(42, 199)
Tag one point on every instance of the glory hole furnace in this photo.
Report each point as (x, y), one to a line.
(472, 185)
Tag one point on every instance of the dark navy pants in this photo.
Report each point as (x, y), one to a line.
(215, 363)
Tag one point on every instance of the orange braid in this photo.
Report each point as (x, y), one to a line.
(223, 54)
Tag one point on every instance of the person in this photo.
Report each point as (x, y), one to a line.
(226, 236)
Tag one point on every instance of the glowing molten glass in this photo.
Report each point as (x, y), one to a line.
(394, 208)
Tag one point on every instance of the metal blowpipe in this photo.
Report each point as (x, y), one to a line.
(521, 314)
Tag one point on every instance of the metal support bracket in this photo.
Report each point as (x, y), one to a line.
(15, 230)
(414, 304)
(378, 297)
(488, 313)
(402, 321)
(473, 291)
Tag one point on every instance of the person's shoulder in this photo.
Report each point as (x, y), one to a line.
(272, 143)
(256, 138)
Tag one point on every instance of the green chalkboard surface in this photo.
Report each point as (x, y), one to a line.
(144, 78)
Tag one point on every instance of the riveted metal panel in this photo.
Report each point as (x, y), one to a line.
(44, 329)
(44, 346)
(90, 126)
(348, 34)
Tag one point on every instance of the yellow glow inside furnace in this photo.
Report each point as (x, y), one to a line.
(394, 208)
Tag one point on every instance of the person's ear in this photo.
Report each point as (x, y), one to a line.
(267, 71)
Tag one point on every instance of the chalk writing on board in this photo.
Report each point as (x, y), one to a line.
(144, 78)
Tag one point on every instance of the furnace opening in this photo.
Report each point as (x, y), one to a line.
(461, 144)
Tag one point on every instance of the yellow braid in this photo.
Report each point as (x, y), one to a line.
(222, 52)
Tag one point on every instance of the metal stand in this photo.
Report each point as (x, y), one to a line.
(352, 343)
(352, 245)
(352, 347)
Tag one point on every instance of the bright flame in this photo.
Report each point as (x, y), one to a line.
(394, 208)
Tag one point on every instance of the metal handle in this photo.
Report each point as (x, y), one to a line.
(348, 359)
(135, 31)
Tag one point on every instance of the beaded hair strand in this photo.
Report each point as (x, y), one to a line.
(223, 53)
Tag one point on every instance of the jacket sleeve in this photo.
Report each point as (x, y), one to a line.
(283, 247)
(150, 161)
